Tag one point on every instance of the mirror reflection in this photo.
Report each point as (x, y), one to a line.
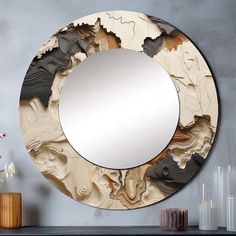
(119, 108)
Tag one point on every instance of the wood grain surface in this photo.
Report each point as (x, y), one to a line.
(10, 210)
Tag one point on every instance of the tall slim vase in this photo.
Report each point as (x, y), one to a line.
(207, 208)
(220, 192)
(224, 184)
(231, 199)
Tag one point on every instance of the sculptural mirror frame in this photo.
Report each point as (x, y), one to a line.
(107, 188)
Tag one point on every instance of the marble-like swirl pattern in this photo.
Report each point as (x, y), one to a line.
(53, 154)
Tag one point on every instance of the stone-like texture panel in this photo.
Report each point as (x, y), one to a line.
(118, 189)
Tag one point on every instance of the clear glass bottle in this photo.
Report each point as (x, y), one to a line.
(207, 208)
(231, 198)
(231, 213)
(220, 192)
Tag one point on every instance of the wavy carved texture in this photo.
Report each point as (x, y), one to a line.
(41, 73)
(169, 39)
(53, 154)
(169, 176)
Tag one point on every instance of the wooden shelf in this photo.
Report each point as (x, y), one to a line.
(100, 230)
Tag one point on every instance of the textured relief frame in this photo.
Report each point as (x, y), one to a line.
(107, 188)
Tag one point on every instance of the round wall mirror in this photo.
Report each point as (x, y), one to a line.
(119, 110)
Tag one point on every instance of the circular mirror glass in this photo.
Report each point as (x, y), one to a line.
(119, 108)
